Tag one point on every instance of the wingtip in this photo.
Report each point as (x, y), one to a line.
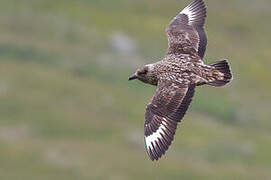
(196, 12)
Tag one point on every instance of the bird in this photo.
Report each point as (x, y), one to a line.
(176, 77)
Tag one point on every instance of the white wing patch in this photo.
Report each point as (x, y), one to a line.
(196, 13)
(151, 140)
(190, 13)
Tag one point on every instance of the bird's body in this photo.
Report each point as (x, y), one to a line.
(176, 77)
(178, 69)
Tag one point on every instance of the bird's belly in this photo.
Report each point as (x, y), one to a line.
(185, 77)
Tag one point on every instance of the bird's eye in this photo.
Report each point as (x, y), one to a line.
(143, 72)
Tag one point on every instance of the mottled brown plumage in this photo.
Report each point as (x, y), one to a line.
(176, 77)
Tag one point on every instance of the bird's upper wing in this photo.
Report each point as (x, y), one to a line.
(185, 32)
(166, 108)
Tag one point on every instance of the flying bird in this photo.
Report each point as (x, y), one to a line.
(176, 77)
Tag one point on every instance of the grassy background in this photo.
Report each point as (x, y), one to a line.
(67, 110)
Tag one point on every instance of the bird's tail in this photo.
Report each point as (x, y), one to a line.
(222, 73)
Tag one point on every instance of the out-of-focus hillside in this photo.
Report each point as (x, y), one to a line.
(67, 110)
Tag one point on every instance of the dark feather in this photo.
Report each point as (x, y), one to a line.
(203, 41)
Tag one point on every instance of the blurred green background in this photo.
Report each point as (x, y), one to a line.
(68, 112)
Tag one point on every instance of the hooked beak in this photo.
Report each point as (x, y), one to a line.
(132, 77)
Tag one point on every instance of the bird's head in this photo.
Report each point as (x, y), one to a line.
(145, 74)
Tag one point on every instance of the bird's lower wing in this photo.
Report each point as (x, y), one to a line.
(166, 109)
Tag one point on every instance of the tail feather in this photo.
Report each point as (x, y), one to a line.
(222, 73)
